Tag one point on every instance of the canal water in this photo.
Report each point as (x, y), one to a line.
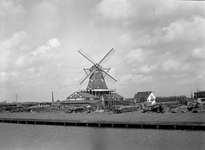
(38, 137)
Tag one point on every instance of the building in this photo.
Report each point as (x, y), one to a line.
(106, 100)
(111, 100)
(146, 96)
(82, 96)
(94, 104)
(200, 96)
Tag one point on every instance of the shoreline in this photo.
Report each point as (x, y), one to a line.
(169, 121)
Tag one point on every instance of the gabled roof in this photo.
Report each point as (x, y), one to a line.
(113, 96)
(116, 95)
(142, 95)
(87, 95)
(81, 102)
(81, 95)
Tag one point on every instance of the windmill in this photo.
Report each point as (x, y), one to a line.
(96, 74)
(97, 93)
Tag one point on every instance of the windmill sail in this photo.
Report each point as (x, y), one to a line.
(97, 73)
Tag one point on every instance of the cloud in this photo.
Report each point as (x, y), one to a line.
(53, 43)
(147, 13)
(125, 77)
(125, 39)
(185, 30)
(146, 40)
(9, 9)
(114, 9)
(9, 49)
(65, 84)
(178, 31)
(45, 49)
(38, 71)
(20, 62)
(20, 67)
(171, 64)
(43, 19)
(6, 75)
(135, 78)
(146, 68)
(199, 53)
(14, 41)
(42, 50)
(122, 9)
(137, 56)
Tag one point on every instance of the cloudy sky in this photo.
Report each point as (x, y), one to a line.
(159, 46)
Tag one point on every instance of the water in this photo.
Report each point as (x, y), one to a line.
(38, 137)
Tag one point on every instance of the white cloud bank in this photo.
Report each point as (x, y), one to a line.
(44, 49)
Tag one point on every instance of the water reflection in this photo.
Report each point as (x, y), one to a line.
(98, 139)
(33, 137)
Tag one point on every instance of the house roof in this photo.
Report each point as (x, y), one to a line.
(113, 96)
(104, 90)
(116, 95)
(81, 94)
(142, 95)
(80, 102)
(87, 95)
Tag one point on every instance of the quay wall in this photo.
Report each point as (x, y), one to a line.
(129, 120)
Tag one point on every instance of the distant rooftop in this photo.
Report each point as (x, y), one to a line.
(142, 95)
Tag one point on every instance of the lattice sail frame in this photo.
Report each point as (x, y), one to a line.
(96, 73)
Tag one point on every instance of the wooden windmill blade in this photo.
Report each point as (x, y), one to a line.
(102, 69)
(87, 56)
(83, 76)
(107, 56)
(107, 78)
(88, 75)
(107, 70)
(86, 70)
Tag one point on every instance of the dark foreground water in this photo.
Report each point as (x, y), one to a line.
(38, 137)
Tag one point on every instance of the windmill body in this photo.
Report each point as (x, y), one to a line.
(97, 80)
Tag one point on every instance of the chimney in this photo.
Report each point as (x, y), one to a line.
(52, 97)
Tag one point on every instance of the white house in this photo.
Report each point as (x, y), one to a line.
(146, 96)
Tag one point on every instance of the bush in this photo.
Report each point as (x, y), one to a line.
(181, 99)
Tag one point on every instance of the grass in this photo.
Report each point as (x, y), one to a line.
(124, 117)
